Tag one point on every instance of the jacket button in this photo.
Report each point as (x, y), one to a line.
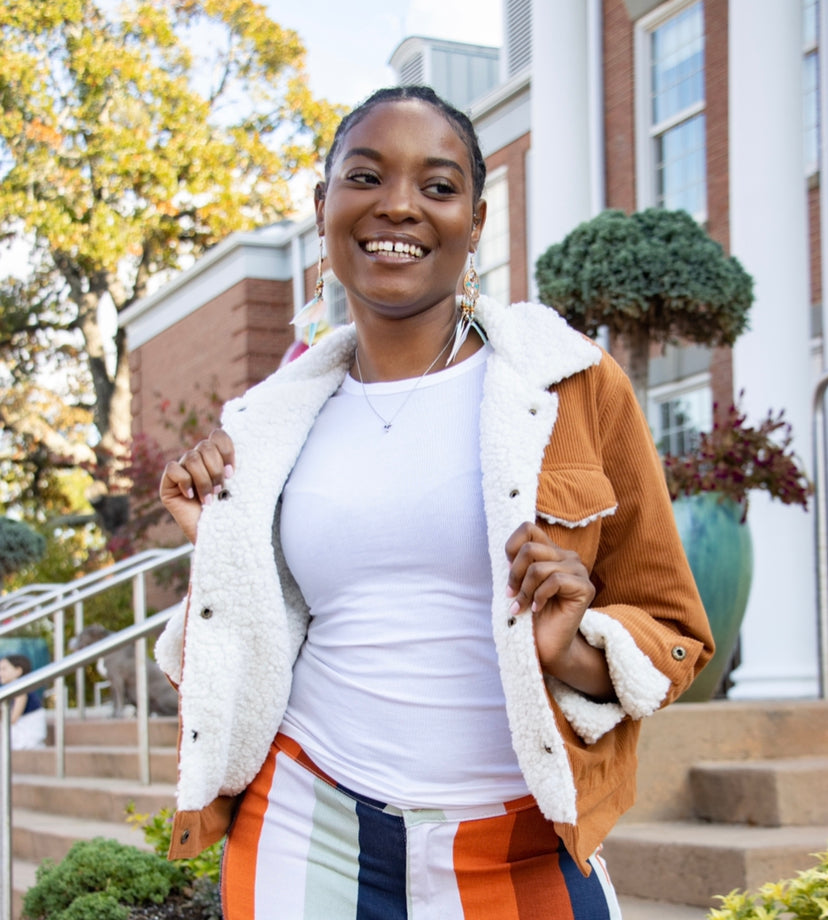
(224, 495)
(185, 836)
(206, 613)
(679, 653)
(514, 493)
(533, 411)
(511, 621)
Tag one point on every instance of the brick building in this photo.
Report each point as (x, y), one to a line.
(694, 104)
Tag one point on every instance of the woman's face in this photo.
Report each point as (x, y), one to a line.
(398, 215)
(8, 672)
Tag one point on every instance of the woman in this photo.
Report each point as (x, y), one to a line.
(28, 718)
(477, 594)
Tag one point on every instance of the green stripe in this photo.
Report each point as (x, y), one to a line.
(332, 884)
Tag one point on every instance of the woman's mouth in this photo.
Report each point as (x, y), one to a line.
(395, 248)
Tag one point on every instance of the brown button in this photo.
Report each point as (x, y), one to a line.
(185, 836)
(679, 653)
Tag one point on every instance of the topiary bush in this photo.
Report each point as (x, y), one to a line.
(98, 880)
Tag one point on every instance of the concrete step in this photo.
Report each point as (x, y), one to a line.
(643, 909)
(96, 761)
(677, 738)
(23, 877)
(99, 799)
(770, 793)
(37, 835)
(689, 862)
(108, 732)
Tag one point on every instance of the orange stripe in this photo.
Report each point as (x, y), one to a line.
(481, 867)
(238, 877)
(539, 885)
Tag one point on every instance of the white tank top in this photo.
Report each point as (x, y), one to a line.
(396, 691)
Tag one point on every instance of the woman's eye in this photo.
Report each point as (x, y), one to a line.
(440, 187)
(363, 177)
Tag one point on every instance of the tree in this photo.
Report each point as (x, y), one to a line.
(125, 154)
(19, 546)
(651, 276)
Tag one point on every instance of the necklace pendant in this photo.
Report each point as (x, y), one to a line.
(386, 427)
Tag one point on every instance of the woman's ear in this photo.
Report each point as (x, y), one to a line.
(319, 206)
(478, 220)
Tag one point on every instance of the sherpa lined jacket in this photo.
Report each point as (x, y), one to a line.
(563, 442)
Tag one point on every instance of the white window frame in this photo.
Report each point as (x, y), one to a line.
(497, 176)
(658, 395)
(810, 48)
(646, 132)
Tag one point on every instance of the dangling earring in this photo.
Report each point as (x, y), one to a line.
(468, 302)
(315, 310)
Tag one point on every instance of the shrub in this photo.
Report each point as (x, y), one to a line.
(802, 898)
(96, 878)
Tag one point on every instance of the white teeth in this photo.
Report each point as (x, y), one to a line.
(396, 249)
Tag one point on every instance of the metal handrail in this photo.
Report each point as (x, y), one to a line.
(821, 524)
(62, 596)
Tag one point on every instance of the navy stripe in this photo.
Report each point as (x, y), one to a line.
(382, 865)
(586, 895)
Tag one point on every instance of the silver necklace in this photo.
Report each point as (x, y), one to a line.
(388, 422)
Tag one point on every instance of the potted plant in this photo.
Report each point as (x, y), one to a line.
(710, 487)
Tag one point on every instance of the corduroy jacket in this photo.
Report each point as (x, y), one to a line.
(562, 442)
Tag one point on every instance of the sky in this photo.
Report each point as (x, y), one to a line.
(349, 42)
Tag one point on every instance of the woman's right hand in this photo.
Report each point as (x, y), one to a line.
(194, 479)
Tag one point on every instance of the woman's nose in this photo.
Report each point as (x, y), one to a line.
(399, 202)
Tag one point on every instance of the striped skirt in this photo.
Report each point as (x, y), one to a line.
(304, 848)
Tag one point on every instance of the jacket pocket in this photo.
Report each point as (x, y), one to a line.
(571, 504)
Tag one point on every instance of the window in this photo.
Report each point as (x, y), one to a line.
(492, 258)
(335, 300)
(672, 165)
(810, 84)
(679, 413)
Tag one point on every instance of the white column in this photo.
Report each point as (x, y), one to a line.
(560, 180)
(772, 360)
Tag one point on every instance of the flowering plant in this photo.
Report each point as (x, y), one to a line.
(735, 458)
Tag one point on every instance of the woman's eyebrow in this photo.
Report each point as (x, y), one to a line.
(372, 154)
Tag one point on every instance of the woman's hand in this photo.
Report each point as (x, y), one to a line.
(192, 481)
(553, 584)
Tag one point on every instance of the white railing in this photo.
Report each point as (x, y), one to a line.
(40, 601)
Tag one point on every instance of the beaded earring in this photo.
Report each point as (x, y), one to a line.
(468, 302)
(315, 310)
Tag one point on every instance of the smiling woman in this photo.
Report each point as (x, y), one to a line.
(439, 586)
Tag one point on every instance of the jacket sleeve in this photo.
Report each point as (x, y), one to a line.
(646, 615)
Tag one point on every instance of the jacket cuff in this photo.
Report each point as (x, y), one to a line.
(639, 685)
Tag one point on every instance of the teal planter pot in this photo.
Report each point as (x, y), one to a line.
(720, 553)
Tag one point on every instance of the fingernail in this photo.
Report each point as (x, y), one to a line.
(190, 493)
(510, 591)
(217, 488)
(228, 472)
(515, 608)
(208, 498)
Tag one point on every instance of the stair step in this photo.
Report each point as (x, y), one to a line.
(37, 835)
(163, 731)
(689, 862)
(770, 793)
(85, 797)
(91, 760)
(23, 877)
(644, 909)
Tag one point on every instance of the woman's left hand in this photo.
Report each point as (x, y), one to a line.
(553, 584)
